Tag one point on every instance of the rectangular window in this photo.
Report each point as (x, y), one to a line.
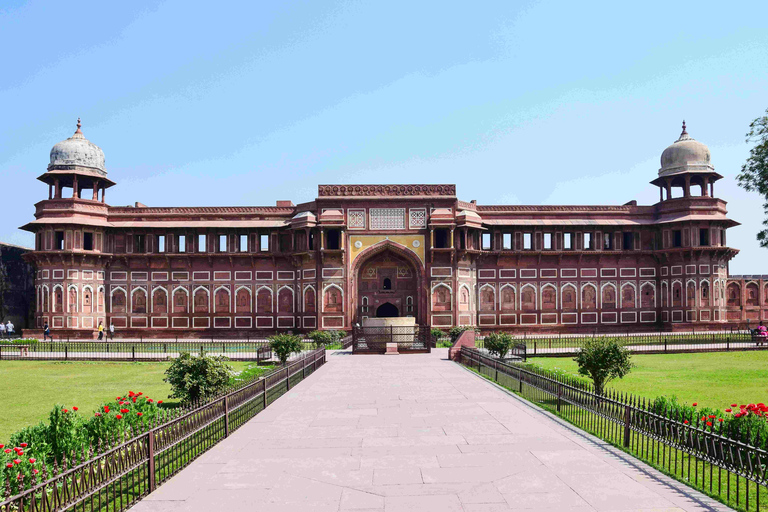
(486, 241)
(201, 243)
(160, 243)
(332, 240)
(678, 238)
(607, 241)
(628, 242)
(441, 238)
(243, 243)
(181, 243)
(222, 243)
(704, 236)
(527, 241)
(139, 244)
(567, 241)
(87, 241)
(311, 240)
(587, 241)
(507, 241)
(264, 243)
(547, 240)
(59, 241)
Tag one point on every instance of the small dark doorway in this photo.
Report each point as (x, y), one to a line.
(387, 310)
(387, 284)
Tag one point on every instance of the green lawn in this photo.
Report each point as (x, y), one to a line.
(713, 379)
(30, 389)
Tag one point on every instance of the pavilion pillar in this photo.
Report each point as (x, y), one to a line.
(687, 189)
(661, 194)
(322, 239)
(431, 238)
(57, 188)
(95, 191)
(705, 187)
(711, 189)
(341, 239)
(75, 191)
(50, 191)
(452, 238)
(668, 186)
(103, 193)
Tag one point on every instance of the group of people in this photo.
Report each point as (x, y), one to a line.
(761, 333)
(110, 332)
(6, 330)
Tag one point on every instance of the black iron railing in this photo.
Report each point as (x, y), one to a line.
(374, 340)
(114, 477)
(730, 465)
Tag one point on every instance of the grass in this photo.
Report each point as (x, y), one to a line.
(715, 379)
(30, 389)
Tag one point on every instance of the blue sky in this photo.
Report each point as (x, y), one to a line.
(516, 102)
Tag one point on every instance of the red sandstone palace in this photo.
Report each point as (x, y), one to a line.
(360, 251)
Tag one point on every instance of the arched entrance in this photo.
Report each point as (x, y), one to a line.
(387, 284)
(387, 310)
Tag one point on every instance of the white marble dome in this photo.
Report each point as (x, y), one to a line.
(77, 150)
(685, 154)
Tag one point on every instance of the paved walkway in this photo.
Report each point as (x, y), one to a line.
(413, 432)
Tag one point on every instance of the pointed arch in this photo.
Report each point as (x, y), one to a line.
(608, 294)
(45, 299)
(690, 293)
(333, 299)
(139, 300)
(548, 296)
(588, 296)
(664, 294)
(159, 300)
(87, 306)
(118, 300)
(222, 300)
(72, 298)
(180, 300)
(58, 298)
(465, 297)
(243, 299)
(100, 299)
(310, 299)
(569, 297)
(442, 297)
(286, 299)
(486, 297)
(648, 295)
(628, 296)
(528, 297)
(716, 294)
(752, 294)
(264, 300)
(507, 297)
(201, 298)
(677, 293)
(704, 293)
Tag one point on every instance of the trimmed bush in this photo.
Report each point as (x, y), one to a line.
(321, 338)
(602, 360)
(437, 333)
(498, 344)
(283, 345)
(198, 377)
(455, 332)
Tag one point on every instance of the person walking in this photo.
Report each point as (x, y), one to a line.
(111, 331)
(101, 330)
(9, 329)
(47, 332)
(2, 330)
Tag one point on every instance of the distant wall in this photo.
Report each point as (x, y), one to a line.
(19, 298)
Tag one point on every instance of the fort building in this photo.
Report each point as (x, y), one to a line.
(360, 251)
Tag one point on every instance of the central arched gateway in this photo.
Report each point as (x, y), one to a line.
(386, 284)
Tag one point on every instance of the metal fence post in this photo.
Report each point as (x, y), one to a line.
(627, 419)
(534, 347)
(133, 351)
(559, 395)
(520, 379)
(496, 367)
(66, 352)
(665, 343)
(304, 368)
(265, 392)
(287, 378)
(226, 415)
(151, 461)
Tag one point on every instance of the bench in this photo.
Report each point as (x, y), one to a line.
(23, 349)
(758, 338)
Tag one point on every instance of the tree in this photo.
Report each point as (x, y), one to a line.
(198, 377)
(754, 173)
(4, 287)
(602, 360)
(321, 338)
(283, 345)
(498, 344)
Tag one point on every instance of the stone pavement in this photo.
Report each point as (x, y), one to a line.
(413, 432)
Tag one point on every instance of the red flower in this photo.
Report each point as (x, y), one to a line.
(32, 461)
(734, 405)
(720, 420)
(118, 398)
(65, 411)
(7, 450)
(20, 452)
(703, 418)
(119, 416)
(9, 465)
(686, 422)
(17, 461)
(709, 423)
(123, 410)
(149, 400)
(141, 393)
(728, 410)
(97, 414)
(74, 408)
(23, 445)
(35, 471)
(134, 399)
(139, 414)
(712, 416)
(106, 408)
(130, 393)
(695, 404)
(159, 401)
(2, 446)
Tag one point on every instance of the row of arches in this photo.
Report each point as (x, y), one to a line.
(71, 300)
(263, 301)
(751, 296)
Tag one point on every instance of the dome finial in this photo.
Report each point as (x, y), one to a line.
(78, 126)
(684, 132)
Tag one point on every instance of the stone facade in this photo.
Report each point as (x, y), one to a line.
(360, 251)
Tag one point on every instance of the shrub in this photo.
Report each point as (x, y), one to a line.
(602, 360)
(338, 335)
(455, 332)
(498, 344)
(283, 345)
(198, 377)
(437, 333)
(321, 338)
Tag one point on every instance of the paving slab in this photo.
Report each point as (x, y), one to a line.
(413, 432)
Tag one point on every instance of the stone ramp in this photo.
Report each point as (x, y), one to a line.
(416, 432)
